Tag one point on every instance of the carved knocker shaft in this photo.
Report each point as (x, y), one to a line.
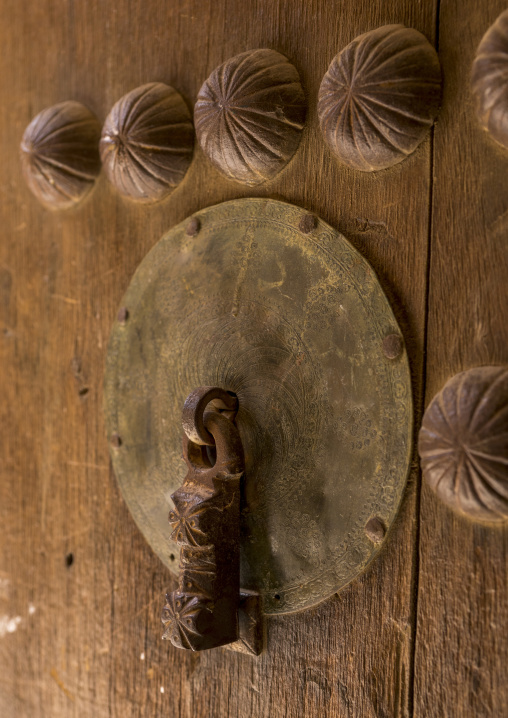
(203, 612)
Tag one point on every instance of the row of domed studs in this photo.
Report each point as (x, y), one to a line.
(377, 100)
(463, 441)
(145, 146)
(249, 116)
(382, 93)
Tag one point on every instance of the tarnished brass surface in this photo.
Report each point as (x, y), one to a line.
(287, 315)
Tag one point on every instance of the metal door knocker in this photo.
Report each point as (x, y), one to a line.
(204, 611)
(297, 425)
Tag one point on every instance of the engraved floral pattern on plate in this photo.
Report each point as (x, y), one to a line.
(294, 324)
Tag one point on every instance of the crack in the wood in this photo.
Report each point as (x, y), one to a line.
(416, 571)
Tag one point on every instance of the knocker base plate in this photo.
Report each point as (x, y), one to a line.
(272, 304)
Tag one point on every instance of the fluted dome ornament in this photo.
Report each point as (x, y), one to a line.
(60, 154)
(249, 115)
(380, 97)
(147, 142)
(489, 80)
(463, 443)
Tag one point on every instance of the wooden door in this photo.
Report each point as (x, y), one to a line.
(423, 631)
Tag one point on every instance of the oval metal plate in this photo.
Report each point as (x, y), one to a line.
(294, 323)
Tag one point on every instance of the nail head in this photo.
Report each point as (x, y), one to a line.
(392, 346)
(116, 441)
(193, 227)
(308, 223)
(375, 530)
(123, 315)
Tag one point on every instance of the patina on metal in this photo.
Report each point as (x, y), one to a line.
(293, 323)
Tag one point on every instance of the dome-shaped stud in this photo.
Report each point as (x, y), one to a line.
(249, 115)
(489, 80)
(379, 97)
(60, 154)
(463, 443)
(147, 142)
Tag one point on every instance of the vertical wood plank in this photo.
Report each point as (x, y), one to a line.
(88, 639)
(461, 649)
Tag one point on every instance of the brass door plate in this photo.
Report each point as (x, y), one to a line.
(262, 299)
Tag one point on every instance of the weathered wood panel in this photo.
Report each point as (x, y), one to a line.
(462, 651)
(87, 642)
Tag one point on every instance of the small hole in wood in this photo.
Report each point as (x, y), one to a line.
(69, 560)
(171, 556)
(277, 597)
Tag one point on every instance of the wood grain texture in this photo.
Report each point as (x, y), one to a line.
(462, 651)
(88, 642)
